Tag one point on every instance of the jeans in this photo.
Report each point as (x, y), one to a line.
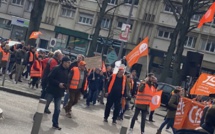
(143, 118)
(93, 95)
(66, 99)
(57, 102)
(110, 102)
(170, 122)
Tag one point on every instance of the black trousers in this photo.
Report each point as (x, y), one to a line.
(151, 115)
(112, 100)
(34, 81)
(143, 119)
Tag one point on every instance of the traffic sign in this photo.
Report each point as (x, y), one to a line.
(111, 57)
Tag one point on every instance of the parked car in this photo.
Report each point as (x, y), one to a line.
(167, 91)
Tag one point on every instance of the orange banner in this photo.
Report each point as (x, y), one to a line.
(156, 100)
(194, 116)
(205, 85)
(35, 35)
(137, 52)
(181, 114)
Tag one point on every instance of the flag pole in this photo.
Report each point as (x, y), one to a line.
(147, 64)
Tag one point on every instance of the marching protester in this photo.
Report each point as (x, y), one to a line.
(134, 80)
(5, 58)
(57, 84)
(115, 92)
(77, 85)
(172, 107)
(95, 82)
(80, 57)
(142, 101)
(102, 89)
(36, 72)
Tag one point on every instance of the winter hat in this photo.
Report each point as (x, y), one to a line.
(65, 59)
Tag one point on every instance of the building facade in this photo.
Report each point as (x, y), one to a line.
(73, 28)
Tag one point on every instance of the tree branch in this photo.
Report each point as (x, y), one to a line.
(191, 28)
(98, 3)
(173, 9)
(114, 7)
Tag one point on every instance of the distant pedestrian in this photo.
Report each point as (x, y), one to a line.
(57, 80)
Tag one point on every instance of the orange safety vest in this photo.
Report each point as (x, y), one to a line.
(145, 97)
(112, 82)
(36, 73)
(75, 79)
(5, 56)
(1, 50)
(31, 57)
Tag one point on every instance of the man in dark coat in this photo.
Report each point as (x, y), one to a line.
(57, 83)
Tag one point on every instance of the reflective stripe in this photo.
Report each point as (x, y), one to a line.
(144, 97)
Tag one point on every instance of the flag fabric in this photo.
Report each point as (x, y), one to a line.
(35, 35)
(156, 100)
(103, 67)
(205, 85)
(140, 50)
(208, 16)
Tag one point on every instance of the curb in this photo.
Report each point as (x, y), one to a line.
(6, 89)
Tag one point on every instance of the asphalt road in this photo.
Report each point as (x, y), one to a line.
(19, 110)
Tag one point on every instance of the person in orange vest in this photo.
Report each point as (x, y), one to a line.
(115, 92)
(36, 72)
(30, 60)
(1, 50)
(142, 101)
(77, 85)
(5, 58)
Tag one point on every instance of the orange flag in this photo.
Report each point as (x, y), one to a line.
(205, 85)
(140, 50)
(34, 35)
(208, 16)
(103, 67)
(156, 100)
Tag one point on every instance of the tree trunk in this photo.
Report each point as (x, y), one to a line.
(35, 20)
(97, 28)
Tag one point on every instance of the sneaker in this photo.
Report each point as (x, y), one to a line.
(57, 127)
(114, 122)
(68, 115)
(47, 111)
(151, 121)
(105, 120)
(130, 131)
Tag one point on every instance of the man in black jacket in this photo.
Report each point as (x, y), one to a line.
(57, 81)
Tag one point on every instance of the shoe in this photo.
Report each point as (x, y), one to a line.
(68, 115)
(19, 81)
(158, 132)
(57, 127)
(151, 121)
(47, 111)
(37, 86)
(105, 120)
(130, 131)
(10, 76)
(114, 122)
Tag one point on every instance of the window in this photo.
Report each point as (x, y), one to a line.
(149, 17)
(196, 17)
(106, 23)
(164, 34)
(112, 2)
(169, 9)
(208, 46)
(30, 6)
(190, 42)
(67, 13)
(123, 20)
(86, 19)
(18, 2)
(130, 2)
(168, 89)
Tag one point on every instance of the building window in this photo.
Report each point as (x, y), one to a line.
(149, 17)
(130, 2)
(29, 6)
(169, 9)
(208, 46)
(112, 2)
(196, 17)
(86, 19)
(106, 23)
(18, 2)
(190, 42)
(67, 13)
(123, 20)
(164, 34)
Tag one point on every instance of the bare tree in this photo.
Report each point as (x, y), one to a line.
(183, 27)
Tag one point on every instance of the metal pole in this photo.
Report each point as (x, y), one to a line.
(125, 124)
(38, 116)
(127, 22)
(6, 70)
